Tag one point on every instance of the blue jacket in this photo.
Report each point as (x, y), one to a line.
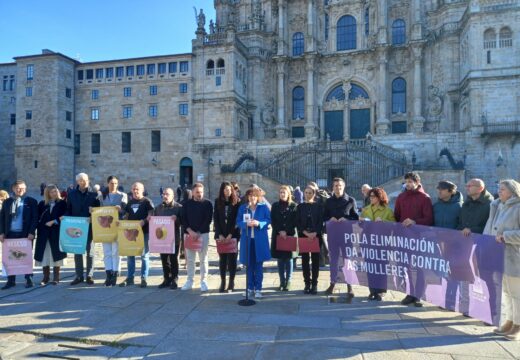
(446, 214)
(261, 240)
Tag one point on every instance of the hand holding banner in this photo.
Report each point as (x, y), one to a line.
(17, 257)
(130, 238)
(162, 235)
(74, 234)
(104, 227)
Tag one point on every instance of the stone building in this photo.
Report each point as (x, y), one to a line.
(282, 91)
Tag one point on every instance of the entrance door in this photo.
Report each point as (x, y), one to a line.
(359, 123)
(186, 172)
(334, 125)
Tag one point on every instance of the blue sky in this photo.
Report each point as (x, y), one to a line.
(98, 30)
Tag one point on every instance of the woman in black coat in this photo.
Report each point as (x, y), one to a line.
(283, 221)
(310, 224)
(225, 224)
(47, 249)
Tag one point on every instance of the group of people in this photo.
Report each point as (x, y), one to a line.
(246, 221)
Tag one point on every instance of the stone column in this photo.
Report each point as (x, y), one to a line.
(382, 122)
(282, 16)
(281, 128)
(346, 111)
(310, 113)
(418, 119)
(416, 23)
(382, 21)
(310, 40)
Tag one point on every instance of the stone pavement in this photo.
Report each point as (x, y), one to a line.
(95, 322)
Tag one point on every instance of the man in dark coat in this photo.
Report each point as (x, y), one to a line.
(80, 202)
(18, 220)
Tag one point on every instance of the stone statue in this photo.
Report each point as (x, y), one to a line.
(211, 27)
(200, 19)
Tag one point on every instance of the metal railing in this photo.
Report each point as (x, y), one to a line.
(512, 128)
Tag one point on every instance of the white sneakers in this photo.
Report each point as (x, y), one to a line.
(258, 294)
(187, 286)
(249, 293)
(203, 286)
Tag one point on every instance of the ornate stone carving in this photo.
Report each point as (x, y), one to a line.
(435, 103)
(333, 105)
(267, 114)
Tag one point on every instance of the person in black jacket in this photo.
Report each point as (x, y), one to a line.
(309, 219)
(80, 202)
(283, 222)
(170, 262)
(225, 224)
(18, 220)
(47, 251)
(339, 207)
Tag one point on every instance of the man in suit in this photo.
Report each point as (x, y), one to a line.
(18, 220)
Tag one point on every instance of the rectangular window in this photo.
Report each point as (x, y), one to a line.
(298, 132)
(28, 91)
(150, 69)
(13, 119)
(120, 71)
(127, 92)
(488, 57)
(127, 111)
(96, 144)
(80, 74)
(152, 110)
(399, 127)
(156, 140)
(218, 132)
(28, 133)
(94, 94)
(130, 70)
(28, 115)
(183, 88)
(153, 90)
(184, 66)
(140, 70)
(68, 134)
(94, 114)
(90, 74)
(126, 142)
(30, 72)
(161, 68)
(6, 83)
(11, 83)
(218, 80)
(99, 73)
(172, 67)
(68, 93)
(68, 115)
(109, 72)
(183, 109)
(77, 144)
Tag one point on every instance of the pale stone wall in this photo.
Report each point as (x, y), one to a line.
(7, 107)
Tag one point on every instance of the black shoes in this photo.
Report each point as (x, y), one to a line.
(76, 281)
(143, 283)
(108, 280)
(165, 284)
(89, 280)
(127, 282)
(113, 279)
(408, 300)
(173, 285)
(29, 283)
(8, 285)
(307, 289)
(231, 285)
(330, 289)
(314, 289)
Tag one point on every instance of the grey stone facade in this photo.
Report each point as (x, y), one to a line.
(459, 62)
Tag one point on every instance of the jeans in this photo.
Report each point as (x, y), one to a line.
(255, 270)
(285, 270)
(145, 261)
(78, 261)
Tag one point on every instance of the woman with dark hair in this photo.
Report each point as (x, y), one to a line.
(309, 219)
(283, 221)
(253, 219)
(378, 210)
(186, 196)
(47, 251)
(111, 196)
(225, 224)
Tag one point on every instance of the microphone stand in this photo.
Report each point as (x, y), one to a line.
(247, 301)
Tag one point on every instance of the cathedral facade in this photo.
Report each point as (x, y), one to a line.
(437, 81)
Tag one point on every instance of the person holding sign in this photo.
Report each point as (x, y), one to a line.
(283, 221)
(111, 196)
(196, 218)
(339, 207)
(253, 220)
(504, 223)
(170, 262)
(47, 251)
(18, 220)
(226, 230)
(80, 202)
(414, 206)
(378, 210)
(309, 220)
(139, 208)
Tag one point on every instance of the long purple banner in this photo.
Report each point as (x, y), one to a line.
(438, 265)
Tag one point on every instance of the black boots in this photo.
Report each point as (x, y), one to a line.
(231, 284)
(222, 287)
(113, 279)
(108, 280)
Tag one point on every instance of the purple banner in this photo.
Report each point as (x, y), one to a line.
(438, 265)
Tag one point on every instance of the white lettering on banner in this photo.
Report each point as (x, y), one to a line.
(104, 211)
(377, 269)
(419, 245)
(22, 244)
(75, 221)
(162, 221)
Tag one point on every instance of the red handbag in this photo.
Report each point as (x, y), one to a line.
(308, 245)
(227, 246)
(191, 243)
(288, 243)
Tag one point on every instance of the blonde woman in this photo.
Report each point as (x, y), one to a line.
(504, 223)
(4, 195)
(47, 251)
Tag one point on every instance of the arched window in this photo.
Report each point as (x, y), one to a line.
(346, 33)
(398, 96)
(506, 37)
(220, 63)
(327, 26)
(298, 44)
(398, 32)
(298, 103)
(210, 64)
(490, 39)
(338, 93)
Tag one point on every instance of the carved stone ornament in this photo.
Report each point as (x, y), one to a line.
(435, 103)
(334, 104)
